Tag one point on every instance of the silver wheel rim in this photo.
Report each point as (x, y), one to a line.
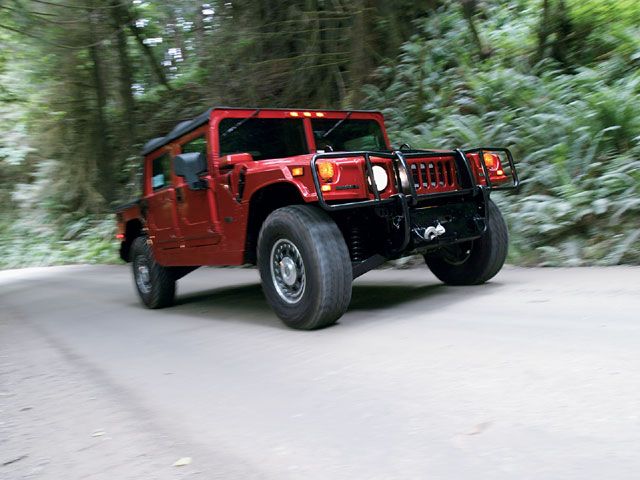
(143, 277)
(287, 271)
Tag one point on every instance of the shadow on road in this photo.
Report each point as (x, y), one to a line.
(247, 297)
(250, 299)
(375, 297)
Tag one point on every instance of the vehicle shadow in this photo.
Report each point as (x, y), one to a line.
(376, 297)
(246, 297)
(247, 301)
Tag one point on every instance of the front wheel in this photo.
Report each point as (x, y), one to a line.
(155, 284)
(305, 267)
(475, 262)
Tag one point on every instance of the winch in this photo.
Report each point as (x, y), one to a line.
(430, 233)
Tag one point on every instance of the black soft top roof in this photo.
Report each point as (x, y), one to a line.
(179, 130)
(189, 125)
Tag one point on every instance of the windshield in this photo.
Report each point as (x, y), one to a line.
(350, 135)
(263, 138)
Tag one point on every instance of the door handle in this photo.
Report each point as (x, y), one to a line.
(179, 195)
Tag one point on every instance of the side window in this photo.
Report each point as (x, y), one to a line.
(161, 172)
(197, 145)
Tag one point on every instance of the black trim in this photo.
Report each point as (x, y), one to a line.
(464, 169)
(242, 178)
(514, 174)
(182, 128)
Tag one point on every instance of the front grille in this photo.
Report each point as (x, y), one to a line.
(434, 174)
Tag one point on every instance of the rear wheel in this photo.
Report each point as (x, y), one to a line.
(155, 284)
(305, 267)
(473, 263)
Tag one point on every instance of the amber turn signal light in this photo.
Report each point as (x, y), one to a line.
(326, 171)
(297, 171)
(306, 114)
(490, 160)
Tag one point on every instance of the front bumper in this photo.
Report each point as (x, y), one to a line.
(458, 221)
(462, 212)
(461, 215)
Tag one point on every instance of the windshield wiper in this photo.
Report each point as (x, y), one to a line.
(237, 125)
(336, 125)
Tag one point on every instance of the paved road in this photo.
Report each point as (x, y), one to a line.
(533, 376)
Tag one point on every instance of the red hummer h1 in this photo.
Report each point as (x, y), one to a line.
(314, 199)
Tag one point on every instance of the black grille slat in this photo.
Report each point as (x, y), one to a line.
(416, 175)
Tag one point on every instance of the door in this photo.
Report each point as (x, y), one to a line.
(195, 207)
(161, 206)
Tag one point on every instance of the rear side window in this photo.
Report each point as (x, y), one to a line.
(197, 145)
(161, 176)
(263, 138)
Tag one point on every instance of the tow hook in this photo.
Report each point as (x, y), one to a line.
(430, 233)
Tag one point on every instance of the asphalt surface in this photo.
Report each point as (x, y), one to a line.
(535, 375)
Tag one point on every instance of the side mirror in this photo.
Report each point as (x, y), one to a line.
(234, 159)
(190, 166)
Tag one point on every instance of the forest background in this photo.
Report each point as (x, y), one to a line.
(84, 83)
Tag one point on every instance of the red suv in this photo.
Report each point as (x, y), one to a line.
(315, 198)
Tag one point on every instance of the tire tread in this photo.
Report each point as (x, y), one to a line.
(329, 253)
(163, 284)
(485, 262)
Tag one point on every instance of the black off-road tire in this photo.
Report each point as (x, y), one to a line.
(160, 289)
(324, 256)
(486, 257)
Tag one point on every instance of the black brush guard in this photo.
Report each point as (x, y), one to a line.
(407, 200)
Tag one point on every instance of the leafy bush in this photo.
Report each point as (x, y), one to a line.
(33, 241)
(575, 134)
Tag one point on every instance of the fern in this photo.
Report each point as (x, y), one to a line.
(575, 134)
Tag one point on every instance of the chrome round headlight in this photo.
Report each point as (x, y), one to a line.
(380, 177)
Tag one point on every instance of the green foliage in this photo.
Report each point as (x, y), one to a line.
(81, 90)
(35, 240)
(575, 134)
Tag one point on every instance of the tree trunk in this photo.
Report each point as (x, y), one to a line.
(104, 154)
(146, 49)
(469, 10)
(126, 77)
(555, 20)
(361, 55)
(563, 29)
(543, 31)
